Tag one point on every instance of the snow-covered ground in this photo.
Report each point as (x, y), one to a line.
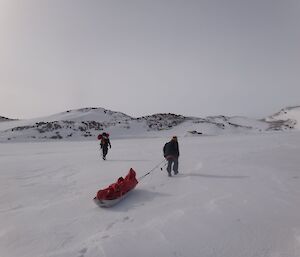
(235, 196)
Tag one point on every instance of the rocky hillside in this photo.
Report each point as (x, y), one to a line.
(5, 119)
(287, 118)
(87, 123)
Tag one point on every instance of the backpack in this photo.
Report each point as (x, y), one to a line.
(166, 148)
(104, 140)
(104, 134)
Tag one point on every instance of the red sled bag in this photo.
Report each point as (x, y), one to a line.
(115, 192)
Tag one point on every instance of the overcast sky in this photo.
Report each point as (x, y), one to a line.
(197, 58)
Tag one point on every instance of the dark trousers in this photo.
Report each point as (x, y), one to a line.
(104, 151)
(174, 162)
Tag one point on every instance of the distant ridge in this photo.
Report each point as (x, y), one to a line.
(87, 123)
(289, 115)
(5, 119)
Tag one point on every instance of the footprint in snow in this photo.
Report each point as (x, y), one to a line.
(109, 226)
(125, 218)
(82, 252)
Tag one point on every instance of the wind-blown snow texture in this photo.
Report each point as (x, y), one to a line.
(87, 123)
(236, 195)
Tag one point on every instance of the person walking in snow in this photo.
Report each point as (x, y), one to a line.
(171, 153)
(104, 143)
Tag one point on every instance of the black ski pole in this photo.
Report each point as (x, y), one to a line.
(155, 167)
(165, 164)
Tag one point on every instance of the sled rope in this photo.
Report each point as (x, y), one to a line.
(154, 168)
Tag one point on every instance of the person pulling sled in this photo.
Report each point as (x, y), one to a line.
(171, 153)
(104, 144)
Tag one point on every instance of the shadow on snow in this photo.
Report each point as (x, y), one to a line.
(210, 176)
(135, 199)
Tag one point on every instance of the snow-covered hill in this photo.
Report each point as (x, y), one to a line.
(289, 117)
(5, 119)
(87, 123)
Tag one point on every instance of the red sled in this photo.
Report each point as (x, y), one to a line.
(115, 192)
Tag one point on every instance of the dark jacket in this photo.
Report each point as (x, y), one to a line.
(171, 149)
(105, 142)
